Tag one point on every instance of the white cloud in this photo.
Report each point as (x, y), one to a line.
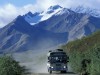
(8, 12)
(44, 4)
(74, 3)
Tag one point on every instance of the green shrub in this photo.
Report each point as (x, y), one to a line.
(84, 54)
(8, 66)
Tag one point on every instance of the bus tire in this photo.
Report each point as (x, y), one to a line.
(50, 71)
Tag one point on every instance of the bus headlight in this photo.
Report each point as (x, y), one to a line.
(51, 66)
(64, 66)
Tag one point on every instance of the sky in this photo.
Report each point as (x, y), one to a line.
(10, 9)
(18, 3)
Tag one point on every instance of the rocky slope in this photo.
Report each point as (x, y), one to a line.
(19, 35)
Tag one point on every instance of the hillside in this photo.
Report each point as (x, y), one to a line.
(19, 36)
(85, 54)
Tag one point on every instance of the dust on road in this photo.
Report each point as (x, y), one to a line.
(69, 73)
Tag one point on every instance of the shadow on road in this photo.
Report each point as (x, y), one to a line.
(59, 73)
(70, 73)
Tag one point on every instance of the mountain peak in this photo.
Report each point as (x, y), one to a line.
(29, 13)
(54, 7)
(18, 18)
(32, 14)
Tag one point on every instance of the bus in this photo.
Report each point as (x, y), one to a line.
(57, 61)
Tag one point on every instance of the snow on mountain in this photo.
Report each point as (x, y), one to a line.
(50, 12)
(62, 11)
(87, 10)
(34, 18)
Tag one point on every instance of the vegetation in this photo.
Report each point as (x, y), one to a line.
(8, 66)
(84, 54)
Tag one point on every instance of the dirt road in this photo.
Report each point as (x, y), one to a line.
(69, 73)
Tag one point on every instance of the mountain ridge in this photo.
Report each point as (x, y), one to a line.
(19, 36)
(61, 27)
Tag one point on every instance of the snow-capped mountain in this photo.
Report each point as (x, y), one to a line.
(37, 17)
(50, 12)
(55, 26)
(75, 23)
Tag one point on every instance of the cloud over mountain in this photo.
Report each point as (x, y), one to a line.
(9, 11)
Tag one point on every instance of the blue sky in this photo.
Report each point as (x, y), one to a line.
(10, 9)
(18, 3)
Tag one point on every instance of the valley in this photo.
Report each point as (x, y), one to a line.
(29, 37)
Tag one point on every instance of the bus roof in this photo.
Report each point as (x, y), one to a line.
(56, 52)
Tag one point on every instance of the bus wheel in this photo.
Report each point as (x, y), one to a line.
(49, 71)
(63, 71)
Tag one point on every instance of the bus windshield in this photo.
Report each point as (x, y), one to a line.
(58, 59)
